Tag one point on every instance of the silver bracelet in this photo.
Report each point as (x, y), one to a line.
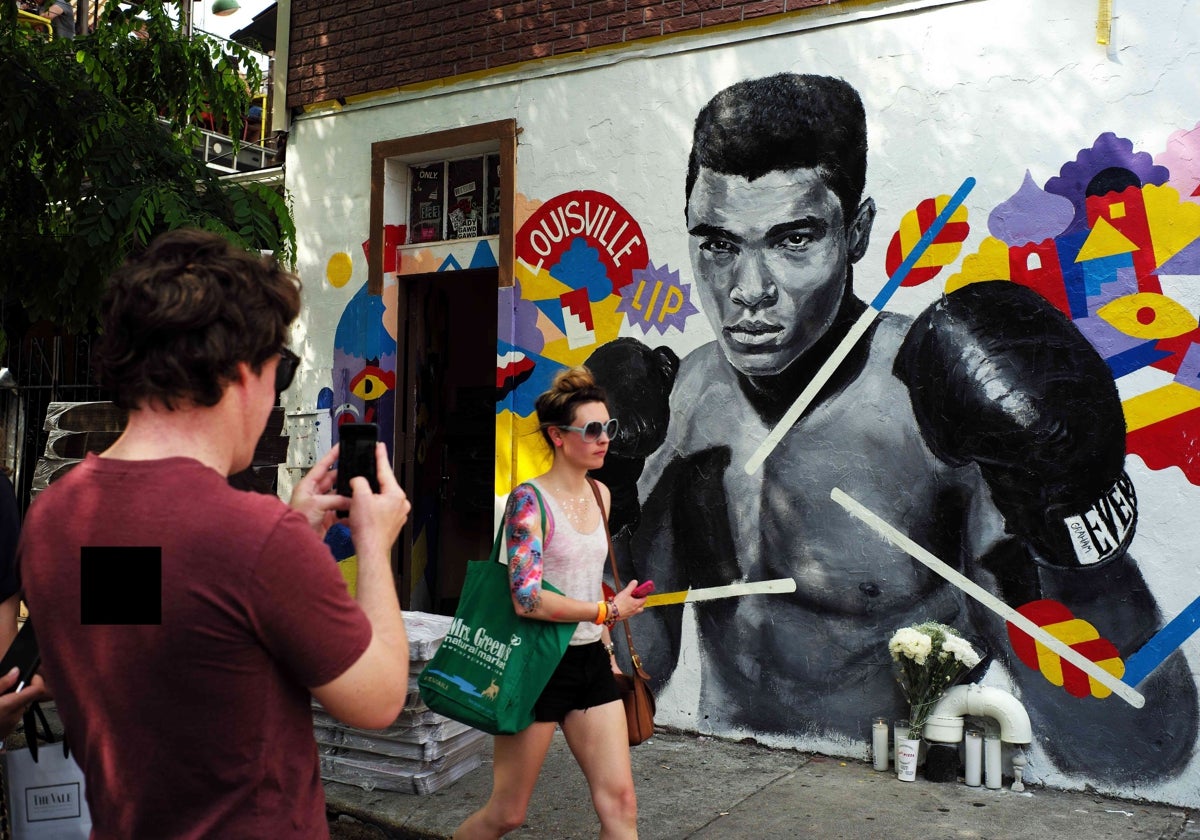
(609, 649)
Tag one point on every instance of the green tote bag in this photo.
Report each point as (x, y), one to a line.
(493, 664)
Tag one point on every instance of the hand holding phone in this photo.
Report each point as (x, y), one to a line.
(23, 654)
(356, 456)
(643, 589)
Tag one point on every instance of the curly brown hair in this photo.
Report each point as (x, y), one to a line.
(570, 389)
(179, 318)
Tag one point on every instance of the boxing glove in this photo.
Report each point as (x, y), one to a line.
(1000, 378)
(637, 381)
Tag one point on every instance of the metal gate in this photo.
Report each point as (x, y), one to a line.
(47, 368)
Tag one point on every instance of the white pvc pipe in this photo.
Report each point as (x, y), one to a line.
(945, 724)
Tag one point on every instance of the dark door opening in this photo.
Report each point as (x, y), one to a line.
(446, 435)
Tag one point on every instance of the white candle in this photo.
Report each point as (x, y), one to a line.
(879, 743)
(991, 761)
(974, 756)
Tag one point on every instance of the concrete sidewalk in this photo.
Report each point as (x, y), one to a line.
(695, 787)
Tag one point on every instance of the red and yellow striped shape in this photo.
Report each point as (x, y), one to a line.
(941, 252)
(1074, 632)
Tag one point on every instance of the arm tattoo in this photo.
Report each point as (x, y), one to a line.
(523, 535)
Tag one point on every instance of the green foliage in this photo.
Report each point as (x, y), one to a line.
(96, 139)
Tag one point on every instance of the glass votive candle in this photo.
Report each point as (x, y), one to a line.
(973, 757)
(879, 743)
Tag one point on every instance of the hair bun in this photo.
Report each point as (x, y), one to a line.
(574, 379)
(569, 389)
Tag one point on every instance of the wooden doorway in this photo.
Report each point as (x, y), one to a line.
(446, 431)
(446, 361)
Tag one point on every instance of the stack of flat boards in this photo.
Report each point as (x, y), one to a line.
(421, 752)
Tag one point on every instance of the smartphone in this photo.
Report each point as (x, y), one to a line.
(23, 653)
(643, 589)
(356, 457)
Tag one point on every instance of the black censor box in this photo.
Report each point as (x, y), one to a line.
(120, 585)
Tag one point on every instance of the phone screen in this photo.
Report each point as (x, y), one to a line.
(24, 654)
(356, 456)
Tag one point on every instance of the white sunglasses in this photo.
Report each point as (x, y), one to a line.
(590, 432)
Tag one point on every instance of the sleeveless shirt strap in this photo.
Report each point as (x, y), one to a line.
(612, 559)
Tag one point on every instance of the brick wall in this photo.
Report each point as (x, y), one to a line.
(351, 47)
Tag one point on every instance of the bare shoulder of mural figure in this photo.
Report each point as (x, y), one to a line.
(684, 537)
(1001, 379)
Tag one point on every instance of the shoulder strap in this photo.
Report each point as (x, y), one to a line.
(612, 559)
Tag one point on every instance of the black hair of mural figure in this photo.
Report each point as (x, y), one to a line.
(782, 122)
(774, 216)
(775, 222)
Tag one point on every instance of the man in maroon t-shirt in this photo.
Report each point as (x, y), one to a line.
(194, 721)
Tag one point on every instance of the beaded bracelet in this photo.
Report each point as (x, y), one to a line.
(614, 614)
(601, 613)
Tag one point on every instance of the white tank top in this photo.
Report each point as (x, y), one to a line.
(573, 562)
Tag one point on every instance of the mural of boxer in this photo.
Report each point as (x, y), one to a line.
(982, 430)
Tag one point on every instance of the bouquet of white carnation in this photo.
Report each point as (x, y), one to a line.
(931, 658)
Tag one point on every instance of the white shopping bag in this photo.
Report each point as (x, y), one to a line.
(45, 797)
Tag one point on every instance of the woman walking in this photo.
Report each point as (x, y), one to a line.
(582, 695)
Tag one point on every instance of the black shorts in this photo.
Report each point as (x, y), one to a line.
(583, 679)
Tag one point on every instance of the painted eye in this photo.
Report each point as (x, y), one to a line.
(796, 241)
(372, 382)
(719, 247)
(1147, 315)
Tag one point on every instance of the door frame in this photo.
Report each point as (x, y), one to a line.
(502, 133)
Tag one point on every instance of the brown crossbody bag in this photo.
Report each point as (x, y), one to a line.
(635, 688)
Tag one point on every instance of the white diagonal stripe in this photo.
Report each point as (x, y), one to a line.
(806, 396)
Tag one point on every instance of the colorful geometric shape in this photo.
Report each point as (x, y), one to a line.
(580, 267)
(512, 368)
(450, 264)
(1057, 620)
(1165, 642)
(990, 262)
(1158, 405)
(483, 256)
(1075, 280)
(1147, 315)
(535, 373)
(1135, 358)
(1030, 215)
(1104, 241)
(338, 269)
(1185, 262)
(393, 237)
(1171, 442)
(1189, 369)
(1036, 265)
(941, 251)
(896, 278)
(1174, 224)
(657, 300)
(577, 318)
